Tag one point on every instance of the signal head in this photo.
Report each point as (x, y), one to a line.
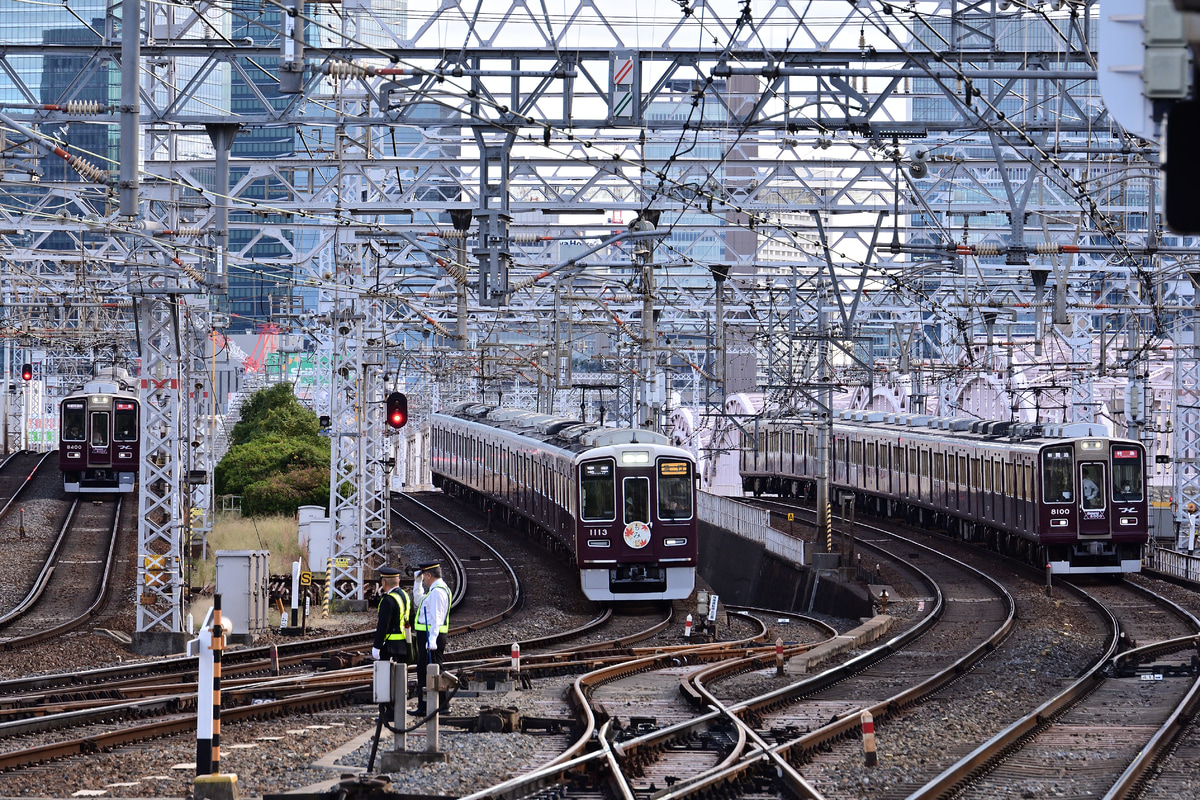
(397, 410)
(27, 372)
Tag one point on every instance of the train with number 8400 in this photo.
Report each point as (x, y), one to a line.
(1067, 496)
(620, 502)
(99, 433)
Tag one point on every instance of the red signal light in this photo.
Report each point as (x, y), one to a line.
(27, 372)
(397, 410)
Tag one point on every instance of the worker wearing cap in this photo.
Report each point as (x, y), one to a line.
(394, 609)
(431, 624)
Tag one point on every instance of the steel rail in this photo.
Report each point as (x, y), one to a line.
(43, 579)
(845, 724)
(28, 478)
(105, 741)
(462, 590)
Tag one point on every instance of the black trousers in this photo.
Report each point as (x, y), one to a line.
(425, 657)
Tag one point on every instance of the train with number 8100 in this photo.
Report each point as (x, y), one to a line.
(620, 502)
(1068, 496)
(99, 434)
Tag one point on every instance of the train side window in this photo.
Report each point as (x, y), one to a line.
(99, 429)
(924, 463)
(856, 453)
(987, 475)
(883, 456)
(962, 469)
(912, 460)
(1058, 484)
(125, 426)
(598, 489)
(951, 475)
(1127, 474)
(74, 422)
(897, 458)
(674, 489)
(636, 492)
(939, 467)
(870, 454)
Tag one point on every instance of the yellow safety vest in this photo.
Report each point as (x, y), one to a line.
(418, 625)
(402, 603)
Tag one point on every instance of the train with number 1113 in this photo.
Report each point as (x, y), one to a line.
(620, 502)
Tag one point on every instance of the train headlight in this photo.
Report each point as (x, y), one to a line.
(635, 457)
(1091, 444)
(675, 542)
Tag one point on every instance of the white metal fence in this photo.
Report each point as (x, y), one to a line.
(1173, 562)
(750, 523)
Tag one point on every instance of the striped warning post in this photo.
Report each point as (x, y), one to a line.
(868, 734)
(328, 588)
(218, 644)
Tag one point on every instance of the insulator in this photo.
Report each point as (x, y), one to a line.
(88, 170)
(346, 69)
(525, 238)
(987, 249)
(187, 231)
(83, 107)
(452, 234)
(1046, 249)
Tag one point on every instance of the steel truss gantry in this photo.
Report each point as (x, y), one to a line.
(843, 166)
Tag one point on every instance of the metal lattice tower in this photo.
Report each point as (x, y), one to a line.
(160, 510)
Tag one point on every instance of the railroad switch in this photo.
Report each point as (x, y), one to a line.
(336, 660)
(358, 787)
(489, 681)
(506, 720)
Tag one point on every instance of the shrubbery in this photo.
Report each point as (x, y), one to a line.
(276, 459)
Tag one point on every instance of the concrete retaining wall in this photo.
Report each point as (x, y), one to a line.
(744, 573)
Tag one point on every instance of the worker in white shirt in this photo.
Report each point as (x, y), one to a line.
(431, 624)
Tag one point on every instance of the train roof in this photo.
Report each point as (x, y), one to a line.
(108, 380)
(959, 427)
(565, 433)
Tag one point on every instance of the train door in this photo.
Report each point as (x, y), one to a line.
(1093, 506)
(99, 454)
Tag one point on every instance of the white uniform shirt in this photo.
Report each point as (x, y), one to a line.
(434, 610)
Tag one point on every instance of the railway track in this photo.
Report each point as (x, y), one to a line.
(1121, 716)
(737, 742)
(484, 585)
(15, 474)
(73, 584)
(1093, 715)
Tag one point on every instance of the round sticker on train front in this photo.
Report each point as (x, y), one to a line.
(637, 535)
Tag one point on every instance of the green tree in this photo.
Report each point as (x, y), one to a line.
(277, 460)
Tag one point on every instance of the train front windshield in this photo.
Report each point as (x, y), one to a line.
(674, 490)
(74, 421)
(125, 423)
(596, 484)
(1058, 484)
(1127, 474)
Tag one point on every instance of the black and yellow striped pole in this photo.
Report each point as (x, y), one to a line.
(218, 645)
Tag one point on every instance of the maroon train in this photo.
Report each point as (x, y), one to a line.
(1064, 495)
(99, 430)
(621, 502)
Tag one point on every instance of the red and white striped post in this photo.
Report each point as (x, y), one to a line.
(516, 657)
(868, 734)
(687, 627)
(779, 657)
